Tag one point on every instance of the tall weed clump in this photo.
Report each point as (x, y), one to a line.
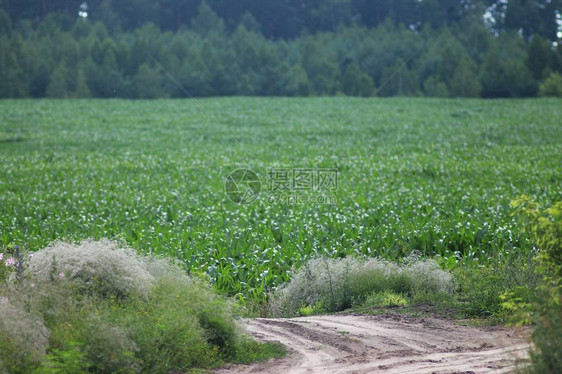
(545, 228)
(95, 307)
(487, 290)
(336, 284)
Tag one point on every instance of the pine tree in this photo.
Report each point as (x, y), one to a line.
(206, 20)
(250, 22)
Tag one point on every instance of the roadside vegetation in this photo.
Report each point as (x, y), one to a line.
(544, 224)
(332, 285)
(95, 307)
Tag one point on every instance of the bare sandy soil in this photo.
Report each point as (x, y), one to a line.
(391, 343)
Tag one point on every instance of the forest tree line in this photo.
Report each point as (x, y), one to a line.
(436, 48)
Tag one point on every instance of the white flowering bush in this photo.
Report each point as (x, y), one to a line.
(427, 276)
(336, 284)
(98, 266)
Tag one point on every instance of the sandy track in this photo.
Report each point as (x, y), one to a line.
(386, 344)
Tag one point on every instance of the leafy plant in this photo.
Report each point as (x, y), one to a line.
(386, 299)
(552, 86)
(545, 227)
(64, 361)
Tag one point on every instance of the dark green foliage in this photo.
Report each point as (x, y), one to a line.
(297, 82)
(506, 76)
(148, 83)
(218, 48)
(544, 224)
(356, 82)
(435, 87)
(320, 66)
(5, 23)
(541, 57)
(465, 82)
(58, 85)
(206, 20)
(289, 18)
(12, 83)
(82, 90)
(398, 80)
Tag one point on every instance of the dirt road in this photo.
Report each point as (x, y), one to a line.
(385, 344)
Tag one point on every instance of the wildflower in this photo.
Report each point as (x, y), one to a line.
(1, 256)
(61, 275)
(10, 262)
(4, 300)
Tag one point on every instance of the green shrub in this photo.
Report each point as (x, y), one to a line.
(545, 227)
(309, 310)
(339, 283)
(182, 325)
(385, 299)
(62, 361)
(552, 86)
(482, 290)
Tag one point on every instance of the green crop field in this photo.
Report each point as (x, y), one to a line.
(429, 176)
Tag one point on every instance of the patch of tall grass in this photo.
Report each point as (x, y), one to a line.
(482, 290)
(333, 285)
